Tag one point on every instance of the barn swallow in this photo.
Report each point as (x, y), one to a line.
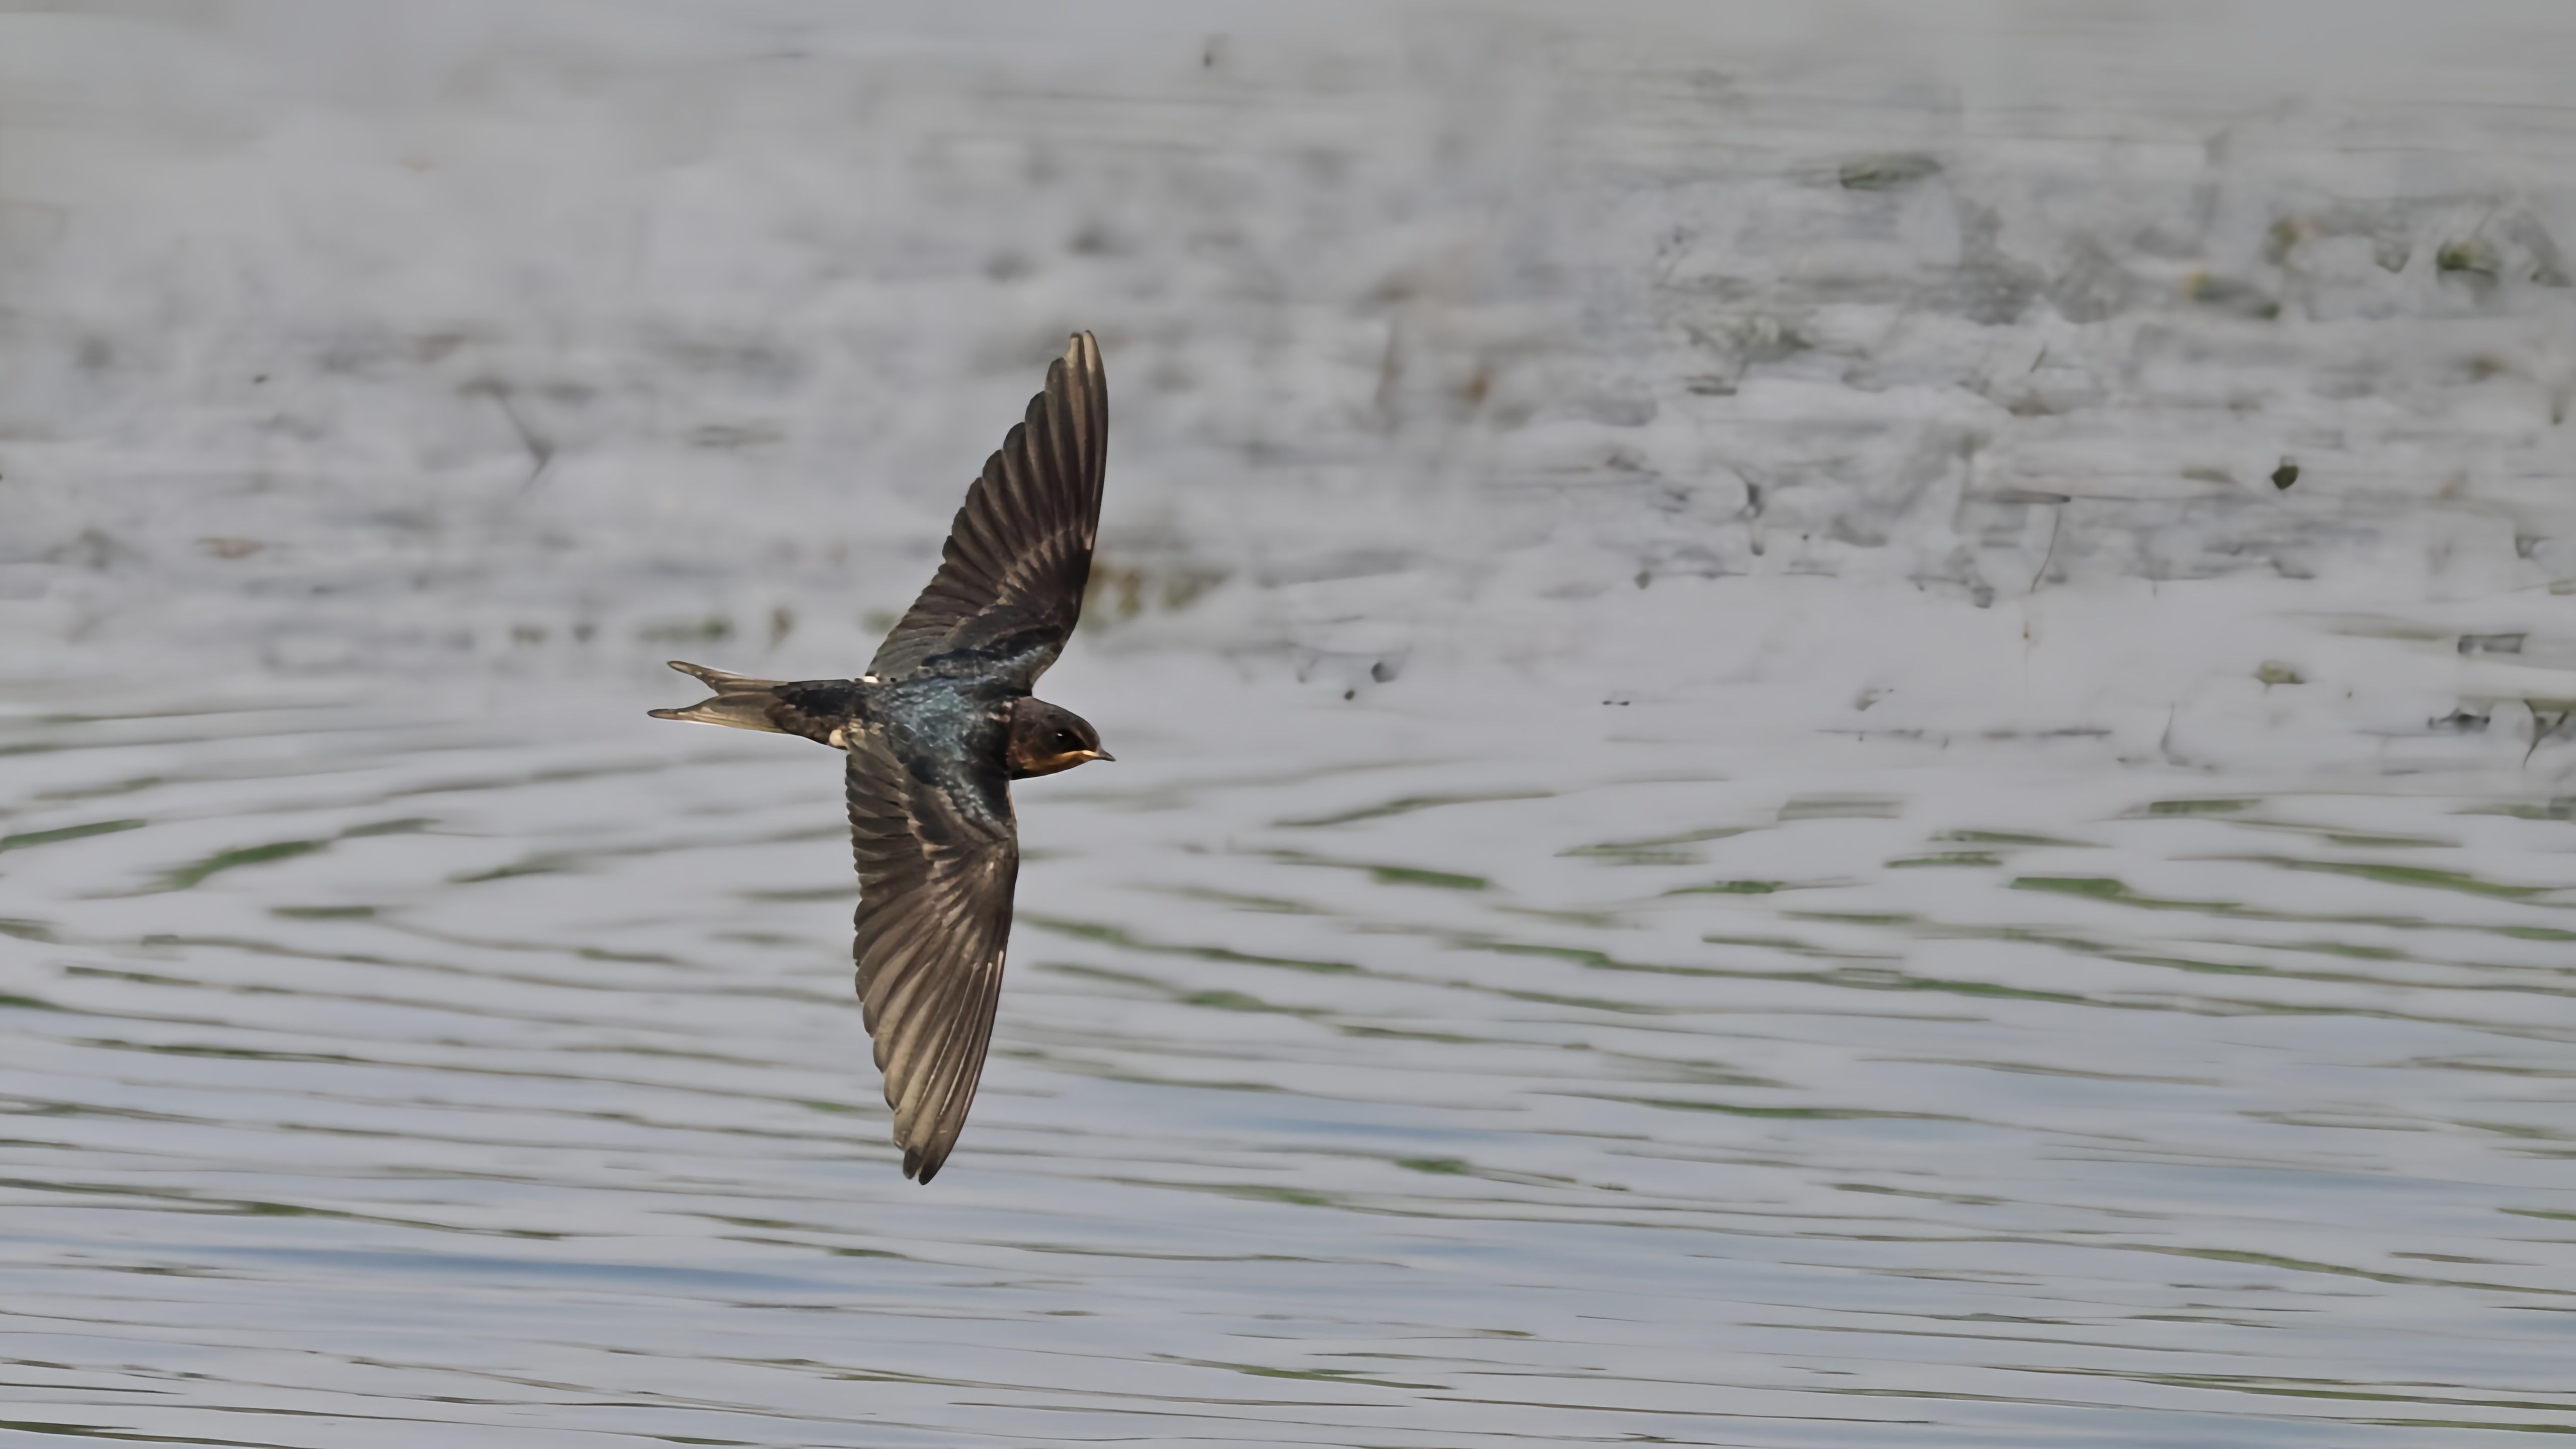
(935, 730)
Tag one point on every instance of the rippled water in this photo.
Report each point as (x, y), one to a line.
(1829, 734)
(1385, 1071)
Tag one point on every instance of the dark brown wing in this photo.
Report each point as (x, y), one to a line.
(1010, 581)
(938, 855)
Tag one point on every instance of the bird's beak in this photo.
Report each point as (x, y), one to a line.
(1100, 755)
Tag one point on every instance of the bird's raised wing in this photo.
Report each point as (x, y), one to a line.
(938, 855)
(1010, 580)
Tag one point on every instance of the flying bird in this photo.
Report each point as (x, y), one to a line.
(935, 730)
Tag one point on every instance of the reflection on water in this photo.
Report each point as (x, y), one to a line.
(380, 1068)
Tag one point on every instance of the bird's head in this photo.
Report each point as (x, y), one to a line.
(1046, 738)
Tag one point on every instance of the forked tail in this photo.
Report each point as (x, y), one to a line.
(740, 702)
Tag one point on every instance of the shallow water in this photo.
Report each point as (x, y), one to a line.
(377, 1071)
(1828, 734)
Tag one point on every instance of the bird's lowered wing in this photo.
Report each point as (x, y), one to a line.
(938, 855)
(1010, 580)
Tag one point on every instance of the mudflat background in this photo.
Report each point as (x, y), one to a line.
(1836, 726)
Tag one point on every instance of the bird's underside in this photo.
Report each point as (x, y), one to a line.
(935, 731)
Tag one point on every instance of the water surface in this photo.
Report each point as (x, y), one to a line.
(378, 1071)
(1829, 735)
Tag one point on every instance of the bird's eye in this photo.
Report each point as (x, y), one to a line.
(1066, 739)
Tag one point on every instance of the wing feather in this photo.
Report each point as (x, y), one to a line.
(1010, 581)
(937, 856)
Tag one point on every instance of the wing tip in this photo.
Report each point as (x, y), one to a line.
(1082, 355)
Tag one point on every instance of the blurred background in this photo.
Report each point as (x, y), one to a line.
(1837, 723)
